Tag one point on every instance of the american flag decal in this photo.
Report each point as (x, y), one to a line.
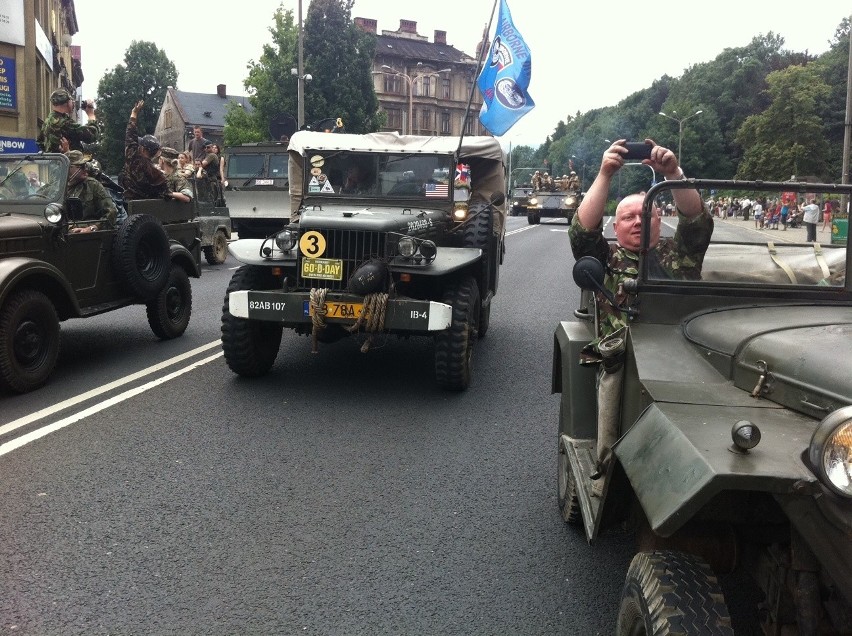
(437, 190)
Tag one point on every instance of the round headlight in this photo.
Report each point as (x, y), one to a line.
(406, 247)
(428, 250)
(460, 212)
(830, 451)
(53, 213)
(285, 240)
(533, 201)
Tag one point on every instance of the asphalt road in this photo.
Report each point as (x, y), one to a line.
(148, 490)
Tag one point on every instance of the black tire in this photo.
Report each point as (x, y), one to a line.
(533, 219)
(454, 346)
(250, 346)
(671, 593)
(566, 489)
(217, 252)
(29, 340)
(170, 311)
(477, 233)
(141, 255)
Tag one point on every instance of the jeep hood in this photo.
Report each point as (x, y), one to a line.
(365, 217)
(20, 226)
(803, 352)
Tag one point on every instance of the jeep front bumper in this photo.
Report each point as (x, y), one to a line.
(293, 308)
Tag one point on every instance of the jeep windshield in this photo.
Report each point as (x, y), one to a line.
(768, 250)
(347, 175)
(32, 179)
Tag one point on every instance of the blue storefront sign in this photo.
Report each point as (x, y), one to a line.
(8, 83)
(17, 144)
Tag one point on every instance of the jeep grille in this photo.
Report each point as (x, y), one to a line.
(353, 247)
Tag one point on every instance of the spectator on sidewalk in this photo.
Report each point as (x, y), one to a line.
(810, 217)
(826, 216)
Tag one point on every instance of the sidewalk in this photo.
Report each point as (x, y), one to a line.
(790, 235)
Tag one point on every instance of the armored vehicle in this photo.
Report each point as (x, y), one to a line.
(520, 196)
(556, 204)
(391, 235)
(733, 464)
(258, 188)
(49, 273)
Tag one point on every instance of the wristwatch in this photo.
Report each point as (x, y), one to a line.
(680, 176)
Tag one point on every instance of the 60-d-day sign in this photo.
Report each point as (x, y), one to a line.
(8, 96)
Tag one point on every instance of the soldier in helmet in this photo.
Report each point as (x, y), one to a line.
(573, 182)
(140, 177)
(60, 123)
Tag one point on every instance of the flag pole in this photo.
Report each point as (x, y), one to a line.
(476, 75)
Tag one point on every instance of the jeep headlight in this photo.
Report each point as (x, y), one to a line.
(285, 240)
(406, 247)
(533, 201)
(830, 451)
(53, 213)
(460, 211)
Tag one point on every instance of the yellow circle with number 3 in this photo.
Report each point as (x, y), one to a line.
(312, 244)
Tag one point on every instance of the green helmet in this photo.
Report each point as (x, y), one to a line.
(60, 96)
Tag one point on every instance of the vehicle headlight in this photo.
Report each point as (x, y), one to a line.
(53, 213)
(406, 247)
(533, 201)
(830, 451)
(285, 240)
(428, 250)
(460, 212)
(569, 201)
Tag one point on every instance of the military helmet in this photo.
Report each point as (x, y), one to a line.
(150, 143)
(76, 158)
(60, 96)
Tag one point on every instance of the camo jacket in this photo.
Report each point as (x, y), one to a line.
(139, 177)
(178, 183)
(58, 125)
(680, 257)
(97, 203)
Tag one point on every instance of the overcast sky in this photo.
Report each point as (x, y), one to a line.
(585, 55)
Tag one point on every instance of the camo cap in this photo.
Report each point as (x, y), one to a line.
(60, 96)
(76, 158)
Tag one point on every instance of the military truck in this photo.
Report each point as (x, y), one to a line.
(557, 204)
(733, 465)
(519, 196)
(49, 274)
(393, 234)
(257, 188)
(214, 221)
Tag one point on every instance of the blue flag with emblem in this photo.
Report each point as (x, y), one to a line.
(505, 77)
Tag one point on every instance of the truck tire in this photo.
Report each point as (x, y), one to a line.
(217, 252)
(477, 234)
(250, 346)
(671, 593)
(29, 340)
(566, 487)
(454, 346)
(533, 219)
(141, 255)
(170, 311)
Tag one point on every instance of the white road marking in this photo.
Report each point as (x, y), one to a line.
(52, 428)
(33, 417)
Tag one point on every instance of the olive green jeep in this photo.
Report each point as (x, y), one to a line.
(49, 273)
(391, 234)
(733, 461)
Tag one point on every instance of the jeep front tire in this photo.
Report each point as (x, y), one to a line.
(454, 345)
(29, 340)
(250, 346)
(216, 253)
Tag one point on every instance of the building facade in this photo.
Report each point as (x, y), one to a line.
(36, 57)
(424, 87)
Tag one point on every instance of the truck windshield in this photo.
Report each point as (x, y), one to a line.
(407, 176)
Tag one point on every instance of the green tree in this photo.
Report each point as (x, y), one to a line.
(339, 56)
(786, 139)
(146, 74)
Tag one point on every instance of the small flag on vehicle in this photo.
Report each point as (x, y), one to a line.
(505, 77)
(437, 190)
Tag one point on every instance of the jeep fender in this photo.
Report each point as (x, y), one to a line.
(180, 255)
(678, 457)
(17, 272)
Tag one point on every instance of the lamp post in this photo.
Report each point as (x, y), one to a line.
(410, 79)
(680, 130)
(583, 171)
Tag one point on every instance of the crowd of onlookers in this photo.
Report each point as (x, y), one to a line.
(773, 213)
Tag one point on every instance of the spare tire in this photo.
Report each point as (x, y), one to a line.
(141, 255)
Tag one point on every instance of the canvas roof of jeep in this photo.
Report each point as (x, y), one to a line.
(483, 147)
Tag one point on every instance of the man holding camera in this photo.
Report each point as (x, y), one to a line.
(678, 257)
(60, 123)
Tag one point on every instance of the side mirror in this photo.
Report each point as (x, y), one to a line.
(75, 209)
(588, 273)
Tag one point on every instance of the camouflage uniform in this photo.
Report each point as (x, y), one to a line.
(177, 183)
(680, 257)
(58, 125)
(140, 178)
(97, 203)
(573, 182)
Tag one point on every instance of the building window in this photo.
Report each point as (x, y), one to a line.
(426, 119)
(445, 123)
(468, 128)
(167, 118)
(393, 84)
(394, 118)
(427, 86)
(446, 88)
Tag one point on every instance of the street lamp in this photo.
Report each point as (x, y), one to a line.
(680, 130)
(583, 180)
(410, 79)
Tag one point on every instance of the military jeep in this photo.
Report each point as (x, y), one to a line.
(733, 465)
(49, 273)
(390, 235)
